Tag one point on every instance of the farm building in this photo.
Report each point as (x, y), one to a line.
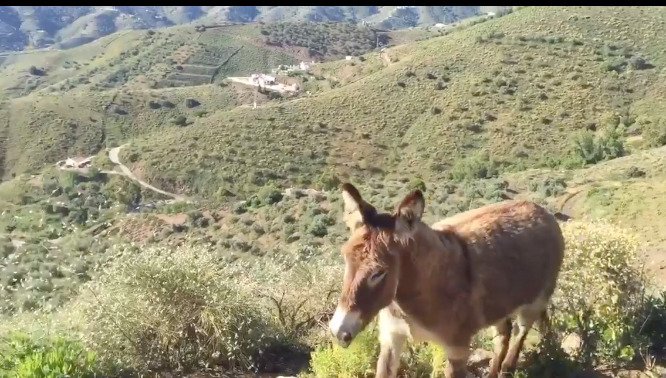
(262, 79)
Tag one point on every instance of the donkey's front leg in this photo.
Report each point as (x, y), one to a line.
(393, 334)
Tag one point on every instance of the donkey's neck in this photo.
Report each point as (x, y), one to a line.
(432, 263)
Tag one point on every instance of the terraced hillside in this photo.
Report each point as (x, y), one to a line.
(518, 88)
(80, 100)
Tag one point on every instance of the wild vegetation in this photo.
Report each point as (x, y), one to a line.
(332, 39)
(562, 106)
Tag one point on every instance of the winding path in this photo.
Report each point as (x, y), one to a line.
(114, 156)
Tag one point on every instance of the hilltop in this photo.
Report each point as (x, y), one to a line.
(37, 27)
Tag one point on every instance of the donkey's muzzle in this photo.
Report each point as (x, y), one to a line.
(345, 325)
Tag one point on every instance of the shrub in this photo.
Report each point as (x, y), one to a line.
(36, 71)
(549, 187)
(475, 167)
(22, 356)
(417, 183)
(329, 181)
(180, 120)
(173, 309)
(425, 360)
(357, 360)
(639, 63)
(319, 227)
(634, 171)
(654, 133)
(591, 149)
(269, 195)
(600, 259)
(616, 65)
(360, 358)
(303, 288)
(654, 326)
(197, 219)
(601, 301)
(122, 190)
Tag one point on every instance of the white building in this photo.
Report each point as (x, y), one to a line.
(262, 79)
(304, 66)
(268, 80)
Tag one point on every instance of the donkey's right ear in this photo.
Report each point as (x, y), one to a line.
(356, 211)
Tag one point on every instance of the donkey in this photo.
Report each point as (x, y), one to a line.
(443, 283)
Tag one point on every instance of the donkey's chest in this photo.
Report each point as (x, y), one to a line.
(438, 319)
(394, 320)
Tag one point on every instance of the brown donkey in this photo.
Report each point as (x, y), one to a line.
(444, 283)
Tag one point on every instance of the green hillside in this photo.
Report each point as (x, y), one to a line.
(521, 97)
(120, 86)
(76, 101)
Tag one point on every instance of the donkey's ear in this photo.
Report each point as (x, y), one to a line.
(408, 213)
(356, 211)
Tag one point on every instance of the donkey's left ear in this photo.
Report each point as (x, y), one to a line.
(356, 212)
(409, 213)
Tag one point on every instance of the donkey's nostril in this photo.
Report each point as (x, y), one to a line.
(346, 337)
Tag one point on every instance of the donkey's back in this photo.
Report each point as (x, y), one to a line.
(514, 250)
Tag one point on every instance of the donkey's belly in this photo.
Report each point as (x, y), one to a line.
(420, 334)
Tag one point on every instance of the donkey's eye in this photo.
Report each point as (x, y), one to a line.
(377, 276)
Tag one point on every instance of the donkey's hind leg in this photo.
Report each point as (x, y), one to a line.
(502, 330)
(525, 318)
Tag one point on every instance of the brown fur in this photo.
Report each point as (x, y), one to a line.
(465, 273)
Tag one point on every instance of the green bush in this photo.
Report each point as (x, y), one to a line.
(180, 120)
(593, 149)
(653, 328)
(600, 259)
(480, 166)
(319, 226)
(357, 360)
(329, 181)
(634, 171)
(601, 305)
(424, 360)
(360, 358)
(654, 133)
(173, 309)
(23, 357)
(549, 187)
(639, 63)
(269, 195)
(302, 289)
(122, 190)
(417, 183)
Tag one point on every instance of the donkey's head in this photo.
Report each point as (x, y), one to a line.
(372, 259)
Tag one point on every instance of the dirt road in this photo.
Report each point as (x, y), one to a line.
(114, 156)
